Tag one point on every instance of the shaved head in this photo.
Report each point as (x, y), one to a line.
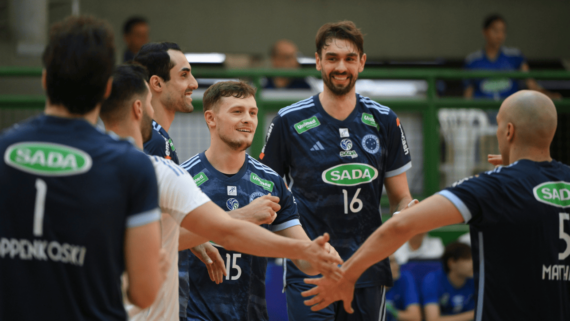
(530, 117)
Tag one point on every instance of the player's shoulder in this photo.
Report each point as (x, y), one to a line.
(298, 110)
(511, 52)
(18, 129)
(165, 167)
(381, 113)
(156, 138)
(128, 153)
(474, 56)
(262, 170)
(193, 164)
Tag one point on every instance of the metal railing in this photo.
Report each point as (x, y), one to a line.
(427, 107)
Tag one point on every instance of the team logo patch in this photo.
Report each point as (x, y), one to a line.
(232, 204)
(200, 178)
(343, 132)
(232, 191)
(553, 193)
(369, 120)
(255, 195)
(346, 144)
(265, 184)
(307, 124)
(371, 143)
(47, 159)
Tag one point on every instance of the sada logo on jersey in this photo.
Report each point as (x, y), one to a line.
(47, 159)
(350, 174)
(232, 204)
(553, 193)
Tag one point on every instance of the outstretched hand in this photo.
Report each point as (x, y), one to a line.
(328, 291)
(322, 258)
(495, 160)
(210, 256)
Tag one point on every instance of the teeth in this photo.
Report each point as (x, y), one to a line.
(243, 130)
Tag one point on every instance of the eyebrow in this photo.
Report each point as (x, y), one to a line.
(185, 69)
(334, 54)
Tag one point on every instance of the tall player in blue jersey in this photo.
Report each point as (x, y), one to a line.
(338, 149)
(519, 217)
(171, 84)
(238, 183)
(78, 207)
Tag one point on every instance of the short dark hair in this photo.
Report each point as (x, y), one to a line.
(128, 80)
(154, 56)
(78, 60)
(345, 30)
(455, 251)
(217, 91)
(492, 18)
(131, 22)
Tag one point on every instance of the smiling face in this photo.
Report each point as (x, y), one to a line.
(177, 91)
(234, 121)
(339, 63)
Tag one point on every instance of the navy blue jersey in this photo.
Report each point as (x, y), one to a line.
(337, 170)
(436, 289)
(508, 59)
(242, 294)
(68, 192)
(160, 144)
(403, 294)
(520, 234)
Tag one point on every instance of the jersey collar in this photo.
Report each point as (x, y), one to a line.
(220, 175)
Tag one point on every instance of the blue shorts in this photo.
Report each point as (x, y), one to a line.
(368, 304)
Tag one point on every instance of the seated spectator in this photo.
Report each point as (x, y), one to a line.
(449, 294)
(494, 56)
(402, 299)
(421, 246)
(135, 34)
(284, 56)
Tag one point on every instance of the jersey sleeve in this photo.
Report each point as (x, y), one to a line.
(430, 287)
(411, 295)
(142, 190)
(399, 158)
(179, 194)
(288, 216)
(477, 198)
(274, 154)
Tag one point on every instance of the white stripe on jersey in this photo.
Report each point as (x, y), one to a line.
(187, 165)
(297, 106)
(367, 102)
(156, 126)
(481, 289)
(262, 167)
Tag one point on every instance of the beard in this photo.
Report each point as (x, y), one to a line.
(338, 90)
(146, 127)
(236, 144)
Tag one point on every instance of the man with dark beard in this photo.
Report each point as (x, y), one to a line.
(240, 184)
(338, 149)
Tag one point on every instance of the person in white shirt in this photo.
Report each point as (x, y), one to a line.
(128, 113)
(422, 247)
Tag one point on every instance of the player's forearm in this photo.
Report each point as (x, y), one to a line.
(412, 313)
(465, 316)
(241, 214)
(401, 204)
(188, 240)
(305, 267)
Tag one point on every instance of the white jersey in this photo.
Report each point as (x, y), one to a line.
(179, 196)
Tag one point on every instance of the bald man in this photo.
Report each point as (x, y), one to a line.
(519, 221)
(284, 56)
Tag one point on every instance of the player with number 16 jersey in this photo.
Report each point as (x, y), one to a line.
(336, 171)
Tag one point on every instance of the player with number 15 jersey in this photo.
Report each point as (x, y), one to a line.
(336, 171)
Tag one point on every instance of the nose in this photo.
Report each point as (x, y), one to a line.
(193, 83)
(341, 66)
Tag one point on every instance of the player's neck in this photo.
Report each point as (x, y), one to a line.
(492, 51)
(61, 111)
(456, 280)
(224, 158)
(529, 153)
(162, 115)
(338, 107)
(124, 129)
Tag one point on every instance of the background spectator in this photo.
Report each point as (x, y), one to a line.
(421, 246)
(451, 291)
(284, 56)
(135, 34)
(494, 56)
(402, 299)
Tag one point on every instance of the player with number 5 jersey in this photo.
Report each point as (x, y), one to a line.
(337, 150)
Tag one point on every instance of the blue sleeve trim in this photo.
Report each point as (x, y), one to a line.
(286, 225)
(400, 170)
(143, 218)
(463, 209)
